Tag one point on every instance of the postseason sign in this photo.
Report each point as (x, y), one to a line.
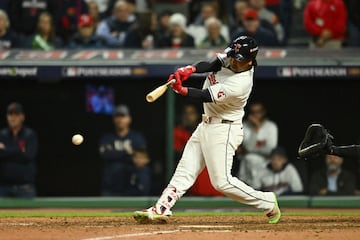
(114, 63)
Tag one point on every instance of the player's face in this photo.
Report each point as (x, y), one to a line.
(15, 120)
(238, 66)
(122, 122)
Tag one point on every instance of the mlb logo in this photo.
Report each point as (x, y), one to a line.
(71, 72)
(286, 72)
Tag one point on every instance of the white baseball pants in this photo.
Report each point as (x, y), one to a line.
(214, 145)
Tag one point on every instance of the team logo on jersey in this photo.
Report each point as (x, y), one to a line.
(221, 94)
(212, 79)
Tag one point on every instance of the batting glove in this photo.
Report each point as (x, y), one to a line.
(177, 86)
(172, 77)
(185, 72)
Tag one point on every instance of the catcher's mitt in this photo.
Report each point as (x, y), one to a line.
(317, 141)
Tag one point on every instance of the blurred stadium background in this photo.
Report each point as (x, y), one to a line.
(299, 80)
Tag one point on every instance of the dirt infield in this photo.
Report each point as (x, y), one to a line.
(190, 228)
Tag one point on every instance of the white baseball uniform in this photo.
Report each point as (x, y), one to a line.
(215, 140)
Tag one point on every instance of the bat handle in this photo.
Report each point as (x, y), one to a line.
(171, 82)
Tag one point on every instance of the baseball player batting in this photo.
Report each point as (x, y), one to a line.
(213, 144)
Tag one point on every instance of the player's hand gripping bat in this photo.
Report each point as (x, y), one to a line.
(159, 91)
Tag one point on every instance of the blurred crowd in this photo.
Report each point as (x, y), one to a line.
(263, 164)
(147, 24)
(123, 152)
(259, 161)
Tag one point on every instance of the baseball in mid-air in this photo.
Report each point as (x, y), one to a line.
(77, 139)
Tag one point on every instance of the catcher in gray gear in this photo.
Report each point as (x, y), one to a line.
(318, 141)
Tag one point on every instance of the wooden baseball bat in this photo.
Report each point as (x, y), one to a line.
(159, 91)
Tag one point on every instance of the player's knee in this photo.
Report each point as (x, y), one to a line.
(220, 184)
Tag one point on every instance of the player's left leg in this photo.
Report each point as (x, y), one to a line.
(218, 150)
(189, 167)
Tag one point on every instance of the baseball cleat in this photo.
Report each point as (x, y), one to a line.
(151, 216)
(275, 215)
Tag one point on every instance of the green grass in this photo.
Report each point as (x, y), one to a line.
(4, 214)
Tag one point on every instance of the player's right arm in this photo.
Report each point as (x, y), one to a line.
(213, 65)
(182, 74)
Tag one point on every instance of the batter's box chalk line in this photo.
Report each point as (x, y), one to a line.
(185, 228)
(131, 235)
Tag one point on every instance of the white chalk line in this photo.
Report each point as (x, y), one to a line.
(206, 226)
(130, 235)
(17, 224)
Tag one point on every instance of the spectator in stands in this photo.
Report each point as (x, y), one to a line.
(24, 14)
(252, 27)
(164, 23)
(333, 180)
(273, 6)
(8, 39)
(114, 29)
(178, 37)
(269, 19)
(45, 36)
(69, 12)
(286, 8)
(85, 37)
(100, 6)
(189, 120)
(224, 15)
(208, 9)
(116, 149)
(18, 149)
(198, 29)
(260, 138)
(136, 6)
(325, 21)
(139, 182)
(200, 10)
(143, 34)
(353, 26)
(240, 7)
(94, 12)
(214, 37)
(279, 175)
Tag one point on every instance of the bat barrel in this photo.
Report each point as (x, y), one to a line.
(150, 98)
(155, 94)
